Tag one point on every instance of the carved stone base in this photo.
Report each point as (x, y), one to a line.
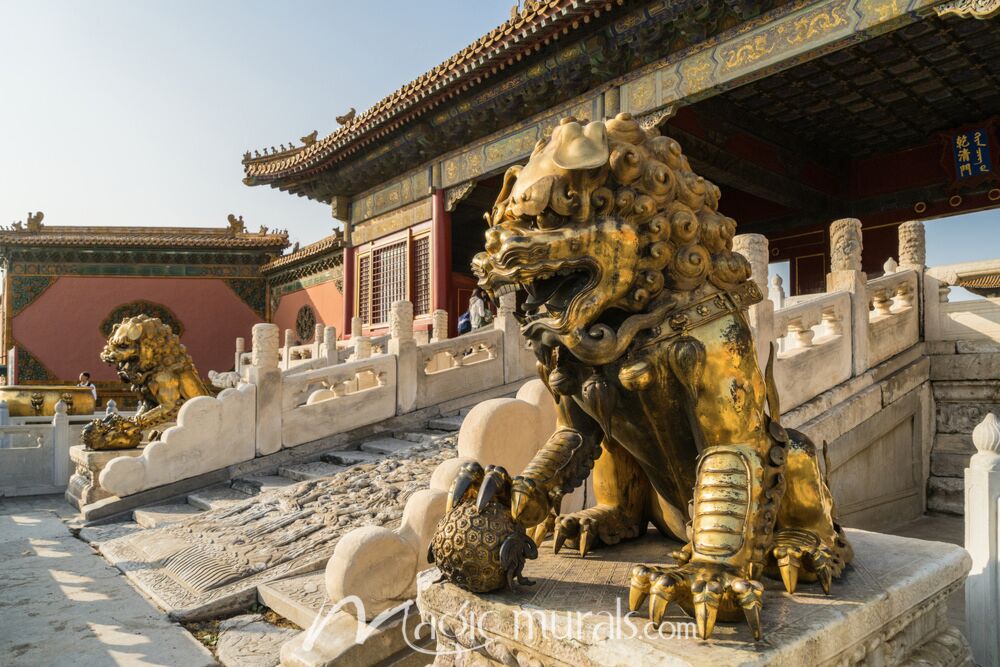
(889, 608)
(84, 487)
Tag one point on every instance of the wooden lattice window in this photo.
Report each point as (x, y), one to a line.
(388, 279)
(422, 275)
(364, 290)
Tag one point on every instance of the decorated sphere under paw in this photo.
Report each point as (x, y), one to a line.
(481, 550)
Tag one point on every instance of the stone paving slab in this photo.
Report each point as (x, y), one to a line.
(313, 470)
(158, 515)
(254, 484)
(386, 446)
(61, 604)
(299, 599)
(446, 423)
(248, 641)
(216, 497)
(350, 457)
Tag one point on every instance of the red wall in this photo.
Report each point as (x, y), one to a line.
(325, 299)
(61, 328)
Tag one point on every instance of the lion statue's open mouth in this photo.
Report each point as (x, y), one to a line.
(602, 232)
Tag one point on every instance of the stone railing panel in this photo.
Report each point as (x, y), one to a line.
(331, 400)
(815, 352)
(975, 319)
(459, 366)
(226, 422)
(27, 460)
(893, 321)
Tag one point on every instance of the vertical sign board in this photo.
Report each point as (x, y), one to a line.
(969, 154)
(972, 154)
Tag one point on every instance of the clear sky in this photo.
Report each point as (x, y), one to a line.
(137, 112)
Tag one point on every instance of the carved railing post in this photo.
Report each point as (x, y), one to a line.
(512, 340)
(330, 345)
(912, 246)
(439, 325)
(60, 445)
(238, 361)
(357, 327)
(761, 315)
(317, 341)
(776, 293)
(362, 347)
(111, 408)
(913, 255)
(266, 375)
(286, 351)
(402, 345)
(846, 274)
(982, 541)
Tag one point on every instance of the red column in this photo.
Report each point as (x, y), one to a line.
(348, 290)
(441, 245)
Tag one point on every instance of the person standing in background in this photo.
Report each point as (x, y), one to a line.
(477, 309)
(85, 382)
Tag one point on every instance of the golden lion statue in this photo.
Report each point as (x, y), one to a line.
(634, 301)
(151, 359)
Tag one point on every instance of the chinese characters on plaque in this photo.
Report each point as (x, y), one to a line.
(972, 154)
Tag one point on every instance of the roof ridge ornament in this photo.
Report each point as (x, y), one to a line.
(236, 225)
(34, 223)
(347, 117)
(978, 9)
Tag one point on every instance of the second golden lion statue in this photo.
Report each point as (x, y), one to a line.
(148, 356)
(634, 303)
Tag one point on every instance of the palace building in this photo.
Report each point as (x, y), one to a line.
(801, 112)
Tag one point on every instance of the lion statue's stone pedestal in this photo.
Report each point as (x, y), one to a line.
(890, 609)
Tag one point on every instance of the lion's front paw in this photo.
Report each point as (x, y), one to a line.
(582, 530)
(706, 591)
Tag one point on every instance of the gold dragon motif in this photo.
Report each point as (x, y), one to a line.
(634, 303)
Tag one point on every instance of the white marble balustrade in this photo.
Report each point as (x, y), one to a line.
(815, 354)
(337, 398)
(893, 320)
(459, 366)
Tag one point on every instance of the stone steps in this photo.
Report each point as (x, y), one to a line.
(386, 446)
(298, 599)
(249, 641)
(950, 454)
(158, 515)
(350, 457)
(946, 494)
(301, 472)
(216, 497)
(446, 423)
(255, 484)
(419, 437)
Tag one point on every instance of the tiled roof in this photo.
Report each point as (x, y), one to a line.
(536, 25)
(142, 237)
(332, 242)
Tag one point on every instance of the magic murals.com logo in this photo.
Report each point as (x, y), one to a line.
(466, 629)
